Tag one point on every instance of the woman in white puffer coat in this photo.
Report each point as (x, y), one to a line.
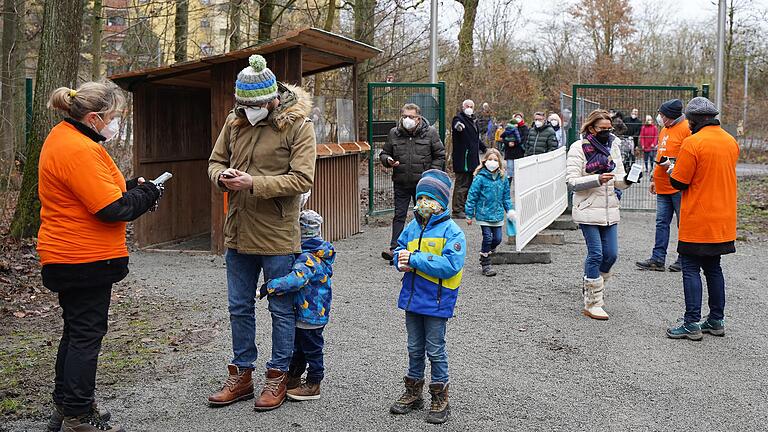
(594, 172)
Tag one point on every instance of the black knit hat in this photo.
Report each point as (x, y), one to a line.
(672, 109)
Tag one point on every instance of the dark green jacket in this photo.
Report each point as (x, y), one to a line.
(416, 152)
(541, 140)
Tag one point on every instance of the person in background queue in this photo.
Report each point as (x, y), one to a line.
(85, 205)
(557, 125)
(634, 124)
(466, 154)
(594, 171)
(542, 138)
(675, 130)
(705, 172)
(412, 147)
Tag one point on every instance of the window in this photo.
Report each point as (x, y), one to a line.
(116, 20)
(204, 23)
(206, 49)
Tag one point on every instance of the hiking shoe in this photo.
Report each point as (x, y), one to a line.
(440, 409)
(388, 254)
(713, 327)
(411, 399)
(690, 331)
(90, 422)
(306, 391)
(675, 267)
(57, 417)
(650, 264)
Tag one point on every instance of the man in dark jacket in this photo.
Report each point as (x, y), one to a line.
(541, 138)
(634, 124)
(466, 154)
(412, 147)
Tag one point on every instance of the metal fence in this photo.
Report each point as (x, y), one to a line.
(384, 103)
(624, 98)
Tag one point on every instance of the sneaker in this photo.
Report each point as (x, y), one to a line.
(388, 254)
(675, 267)
(306, 391)
(690, 331)
(713, 327)
(650, 264)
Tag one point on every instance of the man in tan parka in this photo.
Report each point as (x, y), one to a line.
(265, 158)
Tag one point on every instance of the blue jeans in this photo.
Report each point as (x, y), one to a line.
(242, 285)
(666, 207)
(692, 266)
(602, 248)
(491, 238)
(426, 334)
(308, 351)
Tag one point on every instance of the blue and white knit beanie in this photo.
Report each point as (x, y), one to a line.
(256, 84)
(435, 184)
(310, 223)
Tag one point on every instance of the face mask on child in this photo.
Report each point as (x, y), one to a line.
(492, 165)
(426, 207)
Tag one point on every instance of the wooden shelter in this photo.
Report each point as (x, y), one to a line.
(179, 110)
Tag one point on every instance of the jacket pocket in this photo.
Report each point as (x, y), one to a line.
(587, 202)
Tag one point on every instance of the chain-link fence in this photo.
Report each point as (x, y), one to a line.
(384, 103)
(623, 99)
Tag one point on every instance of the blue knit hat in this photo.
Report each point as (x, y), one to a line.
(435, 184)
(256, 84)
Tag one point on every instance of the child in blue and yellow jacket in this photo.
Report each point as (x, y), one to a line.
(311, 277)
(431, 253)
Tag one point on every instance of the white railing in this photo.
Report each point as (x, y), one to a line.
(541, 194)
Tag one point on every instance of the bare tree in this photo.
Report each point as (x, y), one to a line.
(96, 30)
(181, 27)
(57, 66)
(608, 23)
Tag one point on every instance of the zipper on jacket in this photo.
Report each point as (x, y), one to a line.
(413, 278)
(439, 292)
(607, 217)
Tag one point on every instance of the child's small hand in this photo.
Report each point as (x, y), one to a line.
(403, 257)
(469, 221)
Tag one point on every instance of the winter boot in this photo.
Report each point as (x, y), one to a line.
(593, 298)
(274, 391)
(485, 262)
(90, 422)
(439, 410)
(237, 387)
(57, 417)
(411, 399)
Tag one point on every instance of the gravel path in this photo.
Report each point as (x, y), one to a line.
(521, 356)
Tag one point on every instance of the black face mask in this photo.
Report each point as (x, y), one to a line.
(603, 136)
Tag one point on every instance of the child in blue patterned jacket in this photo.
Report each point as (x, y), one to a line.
(311, 277)
(431, 253)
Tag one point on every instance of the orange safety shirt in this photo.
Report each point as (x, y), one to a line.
(670, 140)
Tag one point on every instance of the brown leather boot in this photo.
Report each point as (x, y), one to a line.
(292, 382)
(273, 393)
(439, 410)
(237, 387)
(411, 399)
(306, 391)
(90, 422)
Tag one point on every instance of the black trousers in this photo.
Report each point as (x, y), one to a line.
(460, 191)
(403, 197)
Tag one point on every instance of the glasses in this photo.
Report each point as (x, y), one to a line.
(610, 129)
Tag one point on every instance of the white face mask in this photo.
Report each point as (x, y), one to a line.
(634, 116)
(492, 165)
(110, 129)
(409, 123)
(554, 122)
(659, 120)
(538, 123)
(256, 114)
(469, 111)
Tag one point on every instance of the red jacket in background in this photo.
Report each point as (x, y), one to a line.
(648, 137)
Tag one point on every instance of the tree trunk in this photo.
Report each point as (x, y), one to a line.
(266, 19)
(96, 29)
(330, 18)
(7, 112)
(56, 66)
(466, 40)
(20, 81)
(234, 24)
(181, 27)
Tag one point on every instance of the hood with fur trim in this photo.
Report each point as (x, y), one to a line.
(295, 104)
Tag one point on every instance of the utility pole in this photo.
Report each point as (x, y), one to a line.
(433, 42)
(720, 72)
(746, 94)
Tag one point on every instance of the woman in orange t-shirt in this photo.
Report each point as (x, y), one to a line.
(705, 170)
(85, 204)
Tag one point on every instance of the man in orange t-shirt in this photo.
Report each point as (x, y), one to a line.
(667, 198)
(705, 171)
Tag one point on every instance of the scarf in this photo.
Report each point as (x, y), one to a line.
(598, 155)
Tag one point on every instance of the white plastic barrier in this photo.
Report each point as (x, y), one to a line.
(541, 194)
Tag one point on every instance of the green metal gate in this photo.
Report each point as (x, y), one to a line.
(624, 98)
(384, 103)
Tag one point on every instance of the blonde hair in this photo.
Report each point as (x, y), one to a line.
(594, 117)
(102, 98)
(491, 151)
